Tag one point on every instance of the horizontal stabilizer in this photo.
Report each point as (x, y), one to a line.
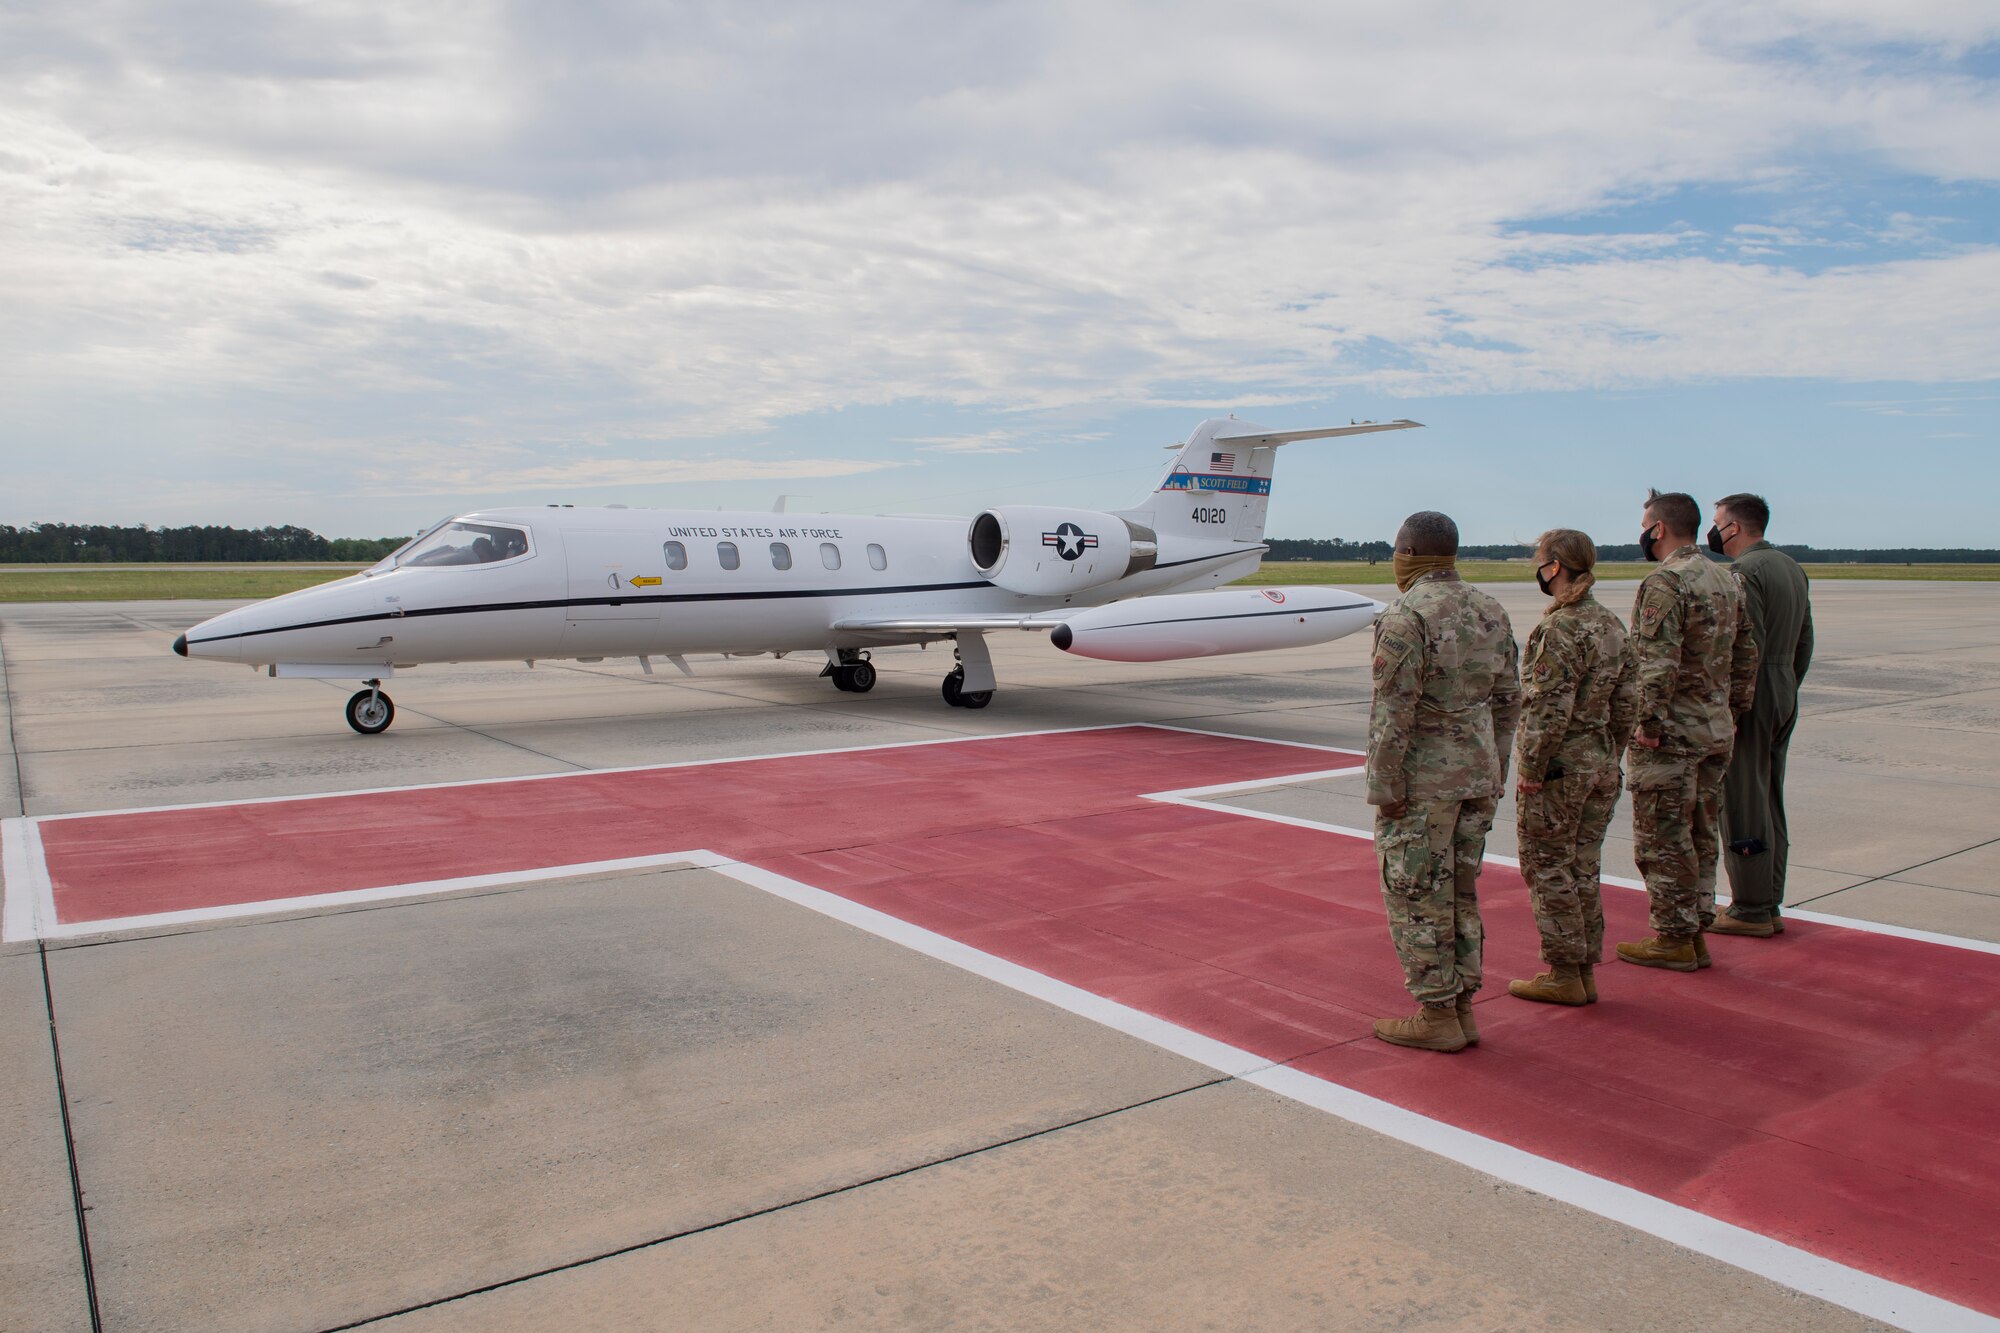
(1273, 437)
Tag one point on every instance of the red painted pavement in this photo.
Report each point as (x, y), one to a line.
(1834, 1089)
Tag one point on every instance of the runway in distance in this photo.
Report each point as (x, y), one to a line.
(559, 582)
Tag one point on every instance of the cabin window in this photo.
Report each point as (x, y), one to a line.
(829, 555)
(726, 553)
(781, 556)
(466, 543)
(677, 555)
(877, 557)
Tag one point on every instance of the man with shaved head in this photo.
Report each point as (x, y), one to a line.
(1440, 730)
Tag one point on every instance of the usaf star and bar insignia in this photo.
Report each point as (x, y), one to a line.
(1070, 541)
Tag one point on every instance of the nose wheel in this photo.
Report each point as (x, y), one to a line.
(370, 712)
(958, 696)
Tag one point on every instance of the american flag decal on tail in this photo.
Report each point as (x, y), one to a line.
(1222, 462)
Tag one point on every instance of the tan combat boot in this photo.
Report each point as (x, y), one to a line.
(1726, 924)
(1561, 984)
(1432, 1028)
(1466, 1023)
(1674, 952)
(1701, 958)
(1588, 973)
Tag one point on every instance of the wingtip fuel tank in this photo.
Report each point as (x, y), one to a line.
(1211, 624)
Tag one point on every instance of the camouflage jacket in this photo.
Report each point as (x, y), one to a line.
(1579, 692)
(1697, 655)
(1447, 693)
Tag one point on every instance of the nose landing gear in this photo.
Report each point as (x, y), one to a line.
(370, 711)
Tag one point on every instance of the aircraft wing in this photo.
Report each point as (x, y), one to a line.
(950, 624)
(1257, 437)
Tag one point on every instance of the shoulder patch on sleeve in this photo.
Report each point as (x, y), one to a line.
(1395, 640)
(1548, 652)
(1394, 647)
(1654, 604)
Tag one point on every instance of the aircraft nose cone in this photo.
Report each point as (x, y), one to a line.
(181, 645)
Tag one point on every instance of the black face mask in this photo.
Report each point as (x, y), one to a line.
(1648, 543)
(1715, 540)
(1548, 586)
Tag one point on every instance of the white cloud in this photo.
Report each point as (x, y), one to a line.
(989, 442)
(464, 472)
(413, 231)
(1949, 405)
(1912, 230)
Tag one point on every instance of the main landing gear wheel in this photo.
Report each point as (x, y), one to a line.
(853, 673)
(370, 712)
(958, 697)
(855, 677)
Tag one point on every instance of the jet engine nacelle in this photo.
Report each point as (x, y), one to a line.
(1208, 624)
(1040, 552)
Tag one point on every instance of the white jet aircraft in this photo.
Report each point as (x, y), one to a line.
(563, 582)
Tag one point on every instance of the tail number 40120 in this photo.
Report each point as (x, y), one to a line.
(1214, 515)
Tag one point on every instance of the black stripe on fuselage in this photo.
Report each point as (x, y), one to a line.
(559, 603)
(756, 595)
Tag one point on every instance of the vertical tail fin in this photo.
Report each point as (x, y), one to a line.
(1218, 483)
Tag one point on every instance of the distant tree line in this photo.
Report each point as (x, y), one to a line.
(97, 543)
(1320, 548)
(1285, 548)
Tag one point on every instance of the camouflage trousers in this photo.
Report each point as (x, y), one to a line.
(1430, 862)
(1677, 834)
(1561, 833)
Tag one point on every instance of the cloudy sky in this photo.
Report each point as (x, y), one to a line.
(357, 266)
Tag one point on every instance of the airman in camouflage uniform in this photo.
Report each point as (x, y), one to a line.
(1697, 658)
(1447, 692)
(1579, 699)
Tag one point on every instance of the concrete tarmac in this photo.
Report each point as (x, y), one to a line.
(665, 1100)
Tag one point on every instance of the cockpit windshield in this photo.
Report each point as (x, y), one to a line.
(464, 543)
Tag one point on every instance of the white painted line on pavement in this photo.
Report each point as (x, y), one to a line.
(1864, 1293)
(29, 906)
(48, 926)
(27, 882)
(349, 897)
(638, 768)
(1190, 797)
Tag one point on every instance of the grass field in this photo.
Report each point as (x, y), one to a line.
(147, 583)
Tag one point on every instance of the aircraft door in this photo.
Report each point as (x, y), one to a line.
(613, 575)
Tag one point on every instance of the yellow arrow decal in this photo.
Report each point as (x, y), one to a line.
(646, 581)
